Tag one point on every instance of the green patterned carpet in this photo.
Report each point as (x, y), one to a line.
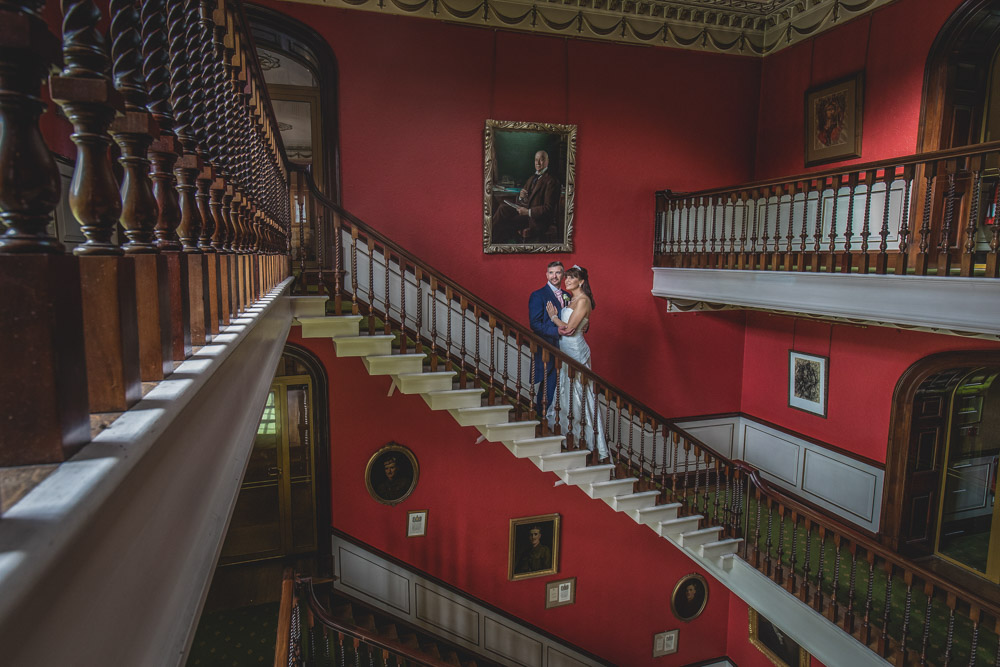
(236, 637)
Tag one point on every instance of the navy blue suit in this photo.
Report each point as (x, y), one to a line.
(540, 323)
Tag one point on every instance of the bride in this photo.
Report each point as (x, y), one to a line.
(575, 317)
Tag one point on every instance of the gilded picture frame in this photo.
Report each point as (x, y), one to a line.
(689, 597)
(391, 474)
(779, 648)
(525, 211)
(833, 120)
(533, 547)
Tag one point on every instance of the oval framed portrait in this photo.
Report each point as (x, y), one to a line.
(689, 597)
(391, 474)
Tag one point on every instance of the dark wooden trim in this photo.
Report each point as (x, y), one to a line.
(900, 422)
(465, 595)
(328, 75)
(321, 450)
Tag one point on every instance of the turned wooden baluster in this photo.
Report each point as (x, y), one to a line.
(903, 256)
(713, 205)
(831, 258)
(816, 260)
(866, 624)
(675, 440)
(992, 265)
(386, 326)
(950, 601)
(355, 308)
(851, 590)
(742, 259)
(462, 378)
(806, 188)
(968, 260)
(779, 569)
(402, 311)
(371, 293)
(882, 259)
(807, 563)
(768, 565)
(434, 334)
(865, 260)
(834, 595)
(923, 259)
(907, 607)
(975, 615)
(883, 640)
(793, 556)
(789, 254)
(926, 633)
(596, 418)
(716, 465)
(944, 258)
(29, 179)
(763, 256)
(817, 598)
(848, 258)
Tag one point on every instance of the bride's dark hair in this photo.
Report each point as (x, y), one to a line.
(580, 273)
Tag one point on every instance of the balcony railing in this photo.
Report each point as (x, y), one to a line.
(200, 192)
(925, 214)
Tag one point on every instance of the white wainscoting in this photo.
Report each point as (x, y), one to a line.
(845, 486)
(444, 612)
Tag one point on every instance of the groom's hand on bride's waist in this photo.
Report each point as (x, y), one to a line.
(566, 331)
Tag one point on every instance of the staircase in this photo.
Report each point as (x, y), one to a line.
(410, 373)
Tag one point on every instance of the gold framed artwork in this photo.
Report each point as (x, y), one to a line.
(779, 648)
(529, 185)
(391, 474)
(833, 120)
(533, 549)
(690, 597)
(560, 593)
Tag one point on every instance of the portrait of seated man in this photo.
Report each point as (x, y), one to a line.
(527, 218)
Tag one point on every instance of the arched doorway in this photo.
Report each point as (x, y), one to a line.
(942, 461)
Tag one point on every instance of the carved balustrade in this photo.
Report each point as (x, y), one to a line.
(924, 214)
(835, 568)
(179, 186)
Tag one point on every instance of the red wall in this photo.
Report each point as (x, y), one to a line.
(890, 44)
(414, 97)
(865, 364)
(625, 573)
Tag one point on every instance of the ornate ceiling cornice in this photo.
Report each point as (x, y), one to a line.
(739, 27)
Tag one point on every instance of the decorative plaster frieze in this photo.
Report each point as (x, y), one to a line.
(740, 27)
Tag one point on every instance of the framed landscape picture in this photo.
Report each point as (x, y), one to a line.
(533, 547)
(807, 382)
(529, 175)
(833, 120)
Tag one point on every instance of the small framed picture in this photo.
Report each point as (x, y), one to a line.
(534, 547)
(807, 382)
(689, 597)
(665, 643)
(560, 593)
(391, 474)
(416, 523)
(779, 648)
(833, 120)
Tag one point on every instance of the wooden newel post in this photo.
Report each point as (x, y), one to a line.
(41, 321)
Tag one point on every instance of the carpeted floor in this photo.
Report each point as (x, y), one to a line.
(236, 637)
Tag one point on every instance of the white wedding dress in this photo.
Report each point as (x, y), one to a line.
(576, 347)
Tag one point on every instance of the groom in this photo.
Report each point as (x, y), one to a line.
(543, 326)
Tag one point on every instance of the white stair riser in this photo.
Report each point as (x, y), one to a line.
(329, 327)
(526, 448)
(422, 383)
(509, 431)
(697, 538)
(394, 364)
(362, 346)
(610, 490)
(587, 475)
(675, 527)
(633, 501)
(716, 550)
(453, 399)
(653, 517)
(557, 462)
(308, 306)
(477, 416)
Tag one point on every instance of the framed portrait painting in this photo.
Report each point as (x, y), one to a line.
(689, 598)
(529, 176)
(533, 549)
(391, 474)
(807, 382)
(833, 120)
(772, 641)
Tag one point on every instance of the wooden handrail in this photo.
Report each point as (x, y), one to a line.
(913, 159)
(284, 618)
(444, 281)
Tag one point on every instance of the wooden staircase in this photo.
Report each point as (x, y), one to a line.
(410, 374)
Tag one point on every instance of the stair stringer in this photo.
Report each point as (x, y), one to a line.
(820, 637)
